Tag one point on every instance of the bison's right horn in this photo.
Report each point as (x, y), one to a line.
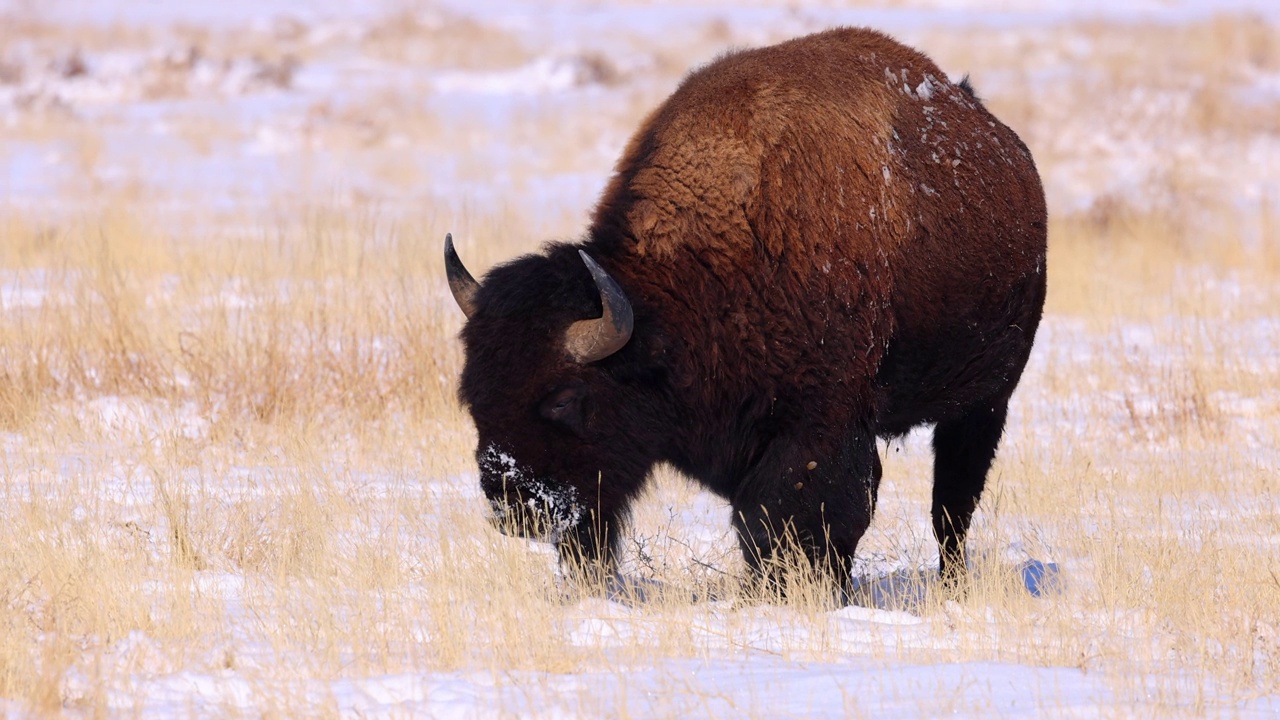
(591, 340)
(461, 283)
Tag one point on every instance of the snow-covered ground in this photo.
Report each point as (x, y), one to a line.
(886, 656)
(285, 102)
(463, 110)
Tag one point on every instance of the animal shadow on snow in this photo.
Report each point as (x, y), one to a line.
(906, 589)
(902, 590)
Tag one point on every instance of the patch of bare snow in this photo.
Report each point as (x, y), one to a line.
(23, 289)
(77, 79)
(543, 75)
(131, 418)
(758, 684)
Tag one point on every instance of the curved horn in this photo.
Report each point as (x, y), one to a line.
(591, 340)
(461, 284)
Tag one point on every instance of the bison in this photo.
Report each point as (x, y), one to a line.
(807, 247)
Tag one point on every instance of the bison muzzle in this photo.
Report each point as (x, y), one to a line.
(806, 247)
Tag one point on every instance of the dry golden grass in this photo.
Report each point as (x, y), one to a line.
(236, 453)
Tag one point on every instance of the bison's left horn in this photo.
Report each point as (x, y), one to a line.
(591, 340)
(461, 283)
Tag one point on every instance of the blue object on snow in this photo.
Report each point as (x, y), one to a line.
(900, 590)
(1040, 578)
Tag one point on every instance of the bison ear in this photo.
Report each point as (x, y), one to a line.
(461, 284)
(591, 340)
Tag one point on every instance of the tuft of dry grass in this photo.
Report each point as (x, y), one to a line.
(290, 324)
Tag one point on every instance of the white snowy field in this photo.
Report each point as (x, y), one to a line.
(234, 481)
(517, 106)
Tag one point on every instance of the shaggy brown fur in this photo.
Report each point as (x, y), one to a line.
(824, 241)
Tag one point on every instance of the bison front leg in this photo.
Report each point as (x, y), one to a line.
(804, 510)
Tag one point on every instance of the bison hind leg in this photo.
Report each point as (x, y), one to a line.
(964, 448)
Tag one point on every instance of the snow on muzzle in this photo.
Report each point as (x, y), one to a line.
(524, 505)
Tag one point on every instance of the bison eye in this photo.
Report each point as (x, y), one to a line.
(564, 407)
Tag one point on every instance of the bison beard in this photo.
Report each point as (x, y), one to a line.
(808, 246)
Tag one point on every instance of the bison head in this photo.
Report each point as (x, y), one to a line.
(558, 397)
